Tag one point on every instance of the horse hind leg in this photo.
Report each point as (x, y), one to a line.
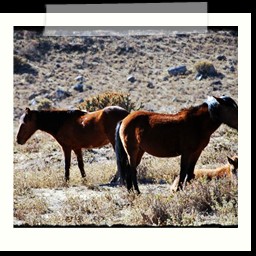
(129, 179)
(134, 179)
(67, 155)
(134, 171)
(79, 156)
(134, 162)
(116, 178)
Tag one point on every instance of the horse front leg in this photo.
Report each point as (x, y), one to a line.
(184, 162)
(67, 155)
(192, 164)
(187, 166)
(80, 161)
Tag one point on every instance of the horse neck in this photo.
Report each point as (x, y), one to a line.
(50, 121)
(209, 125)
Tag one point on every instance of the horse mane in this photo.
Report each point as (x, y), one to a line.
(190, 112)
(52, 120)
(213, 106)
(62, 112)
(193, 109)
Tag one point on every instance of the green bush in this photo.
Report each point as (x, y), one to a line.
(109, 99)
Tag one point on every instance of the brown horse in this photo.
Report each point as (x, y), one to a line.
(73, 129)
(186, 133)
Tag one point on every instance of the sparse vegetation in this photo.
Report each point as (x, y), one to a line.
(42, 65)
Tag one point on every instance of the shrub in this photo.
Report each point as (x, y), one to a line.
(44, 104)
(21, 66)
(36, 49)
(205, 68)
(109, 99)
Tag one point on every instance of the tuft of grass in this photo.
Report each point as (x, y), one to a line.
(205, 68)
(44, 103)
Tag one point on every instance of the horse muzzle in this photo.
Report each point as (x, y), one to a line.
(20, 142)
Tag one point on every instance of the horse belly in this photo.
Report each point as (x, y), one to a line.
(93, 141)
(160, 150)
(87, 137)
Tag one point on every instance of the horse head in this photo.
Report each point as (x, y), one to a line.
(224, 110)
(27, 126)
(228, 111)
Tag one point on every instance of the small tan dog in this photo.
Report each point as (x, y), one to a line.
(229, 170)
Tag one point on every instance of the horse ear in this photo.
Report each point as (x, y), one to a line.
(220, 100)
(27, 110)
(230, 160)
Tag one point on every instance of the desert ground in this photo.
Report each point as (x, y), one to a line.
(65, 72)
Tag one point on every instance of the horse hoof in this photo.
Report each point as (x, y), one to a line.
(113, 180)
(84, 180)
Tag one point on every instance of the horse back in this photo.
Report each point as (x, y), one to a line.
(110, 116)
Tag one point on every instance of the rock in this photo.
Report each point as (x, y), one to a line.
(79, 78)
(62, 94)
(124, 49)
(221, 57)
(150, 85)
(131, 79)
(32, 96)
(79, 87)
(199, 76)
(89, 87)
(218, 82)
(216, 85)
(232, 69)
(180, 70)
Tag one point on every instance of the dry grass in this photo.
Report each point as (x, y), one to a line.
(41, 197)
(43, 201)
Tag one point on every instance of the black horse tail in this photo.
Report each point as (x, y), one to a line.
(121, 156)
